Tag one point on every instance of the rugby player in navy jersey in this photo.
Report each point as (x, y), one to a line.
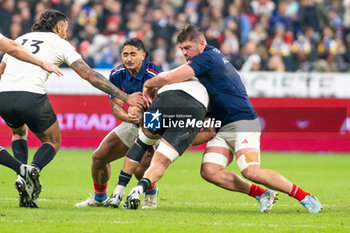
(130, 77)
(239, 136)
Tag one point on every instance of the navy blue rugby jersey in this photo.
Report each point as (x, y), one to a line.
(121, 77)
(228, 98)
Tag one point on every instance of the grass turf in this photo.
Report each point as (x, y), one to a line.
(186, 202)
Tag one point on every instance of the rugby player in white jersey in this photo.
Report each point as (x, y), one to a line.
(16, 50)
(24, 103)
(186, 102)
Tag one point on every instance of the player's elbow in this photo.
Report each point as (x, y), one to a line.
(166, 78)
(83, 70)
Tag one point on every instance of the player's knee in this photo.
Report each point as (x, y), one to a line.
(53, 140)
(212, 164)
(97, 159)
(57, 145)
(252, 174)
(208, 172)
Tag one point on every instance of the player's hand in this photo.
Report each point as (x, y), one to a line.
(135, 99)
(148, 94)
(50, 67)
(135, 115)
(134, 119)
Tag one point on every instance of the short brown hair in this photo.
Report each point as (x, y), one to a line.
(189, 32)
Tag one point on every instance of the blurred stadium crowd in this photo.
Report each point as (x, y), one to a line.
(255, 35)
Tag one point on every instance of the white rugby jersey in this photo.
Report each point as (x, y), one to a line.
(23, 76)
(192, 87)
(1, 36)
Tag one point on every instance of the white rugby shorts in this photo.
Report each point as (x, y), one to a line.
(127, 132)
(238, 135)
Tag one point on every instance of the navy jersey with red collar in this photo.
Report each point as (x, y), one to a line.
(121, 77)
(228, 98)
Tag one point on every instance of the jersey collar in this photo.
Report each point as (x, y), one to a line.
(140, 74)
(207, 47)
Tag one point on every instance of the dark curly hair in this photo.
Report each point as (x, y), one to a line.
(48, 20)
(137, 43)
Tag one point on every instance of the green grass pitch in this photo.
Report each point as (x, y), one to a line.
(186, 202)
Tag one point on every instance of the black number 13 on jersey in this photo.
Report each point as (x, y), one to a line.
(34, 43)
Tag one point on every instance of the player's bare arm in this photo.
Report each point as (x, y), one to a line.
(100, 82)
(2, 68)
(18, 51)
(179, 74)
(204, 136)
(120, 113)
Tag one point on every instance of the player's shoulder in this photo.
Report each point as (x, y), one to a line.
(49, 37)
(26, 35)
(41, 35)
(152, 69)
(118, 70)
(211, 51)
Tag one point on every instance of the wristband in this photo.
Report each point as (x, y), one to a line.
(124, 97)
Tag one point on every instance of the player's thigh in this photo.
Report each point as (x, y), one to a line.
(247, 151)
(246, 142)
(116, 143)
(10, 109)
(35, 111)
(217, 155)
(192, 111)
(51, 135)
(39, 115)
(244, 139)
(164, 155)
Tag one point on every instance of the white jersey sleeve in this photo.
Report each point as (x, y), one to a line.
(23, 76)
(1, 36)
(69, 53)
(5, 58)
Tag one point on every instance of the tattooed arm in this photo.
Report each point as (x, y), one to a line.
(100, 82)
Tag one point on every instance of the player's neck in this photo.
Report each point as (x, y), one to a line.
(134, 72)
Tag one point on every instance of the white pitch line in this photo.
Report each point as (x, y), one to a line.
(187, 203)
(267, 225)
(16, 199)
(234, 204)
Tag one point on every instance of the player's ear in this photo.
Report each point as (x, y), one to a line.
(202, 42)
(57, 29)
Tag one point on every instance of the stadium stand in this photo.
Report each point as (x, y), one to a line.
(257, 35)
(307, 39)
